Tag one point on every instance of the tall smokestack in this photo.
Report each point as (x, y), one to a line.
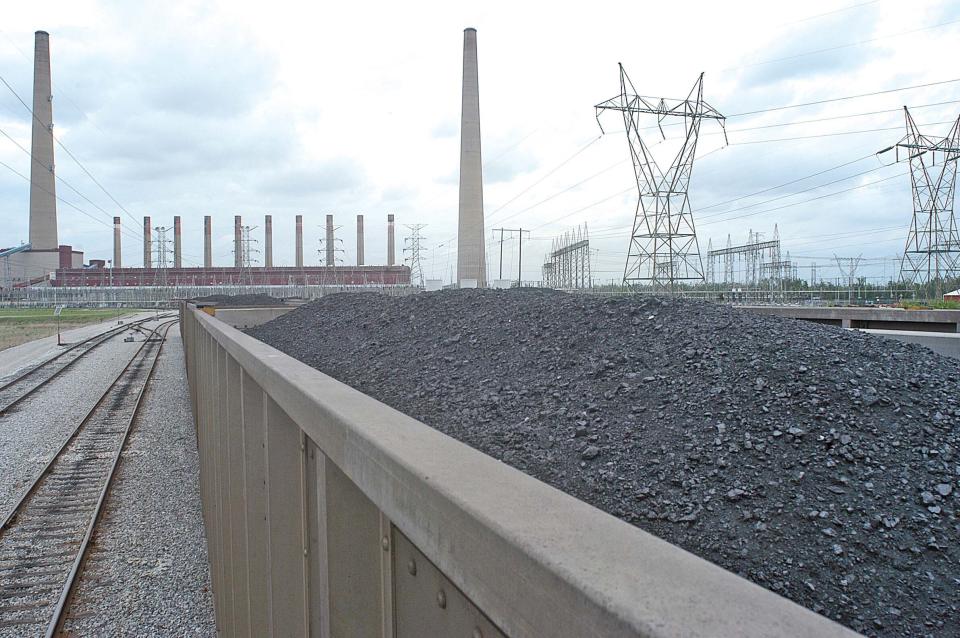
(299, 245)
(359, 240)
(207, 242)
(268, 241)
(43, 200)
(177, 255)
(237, 242)
(147, 244)
(328, 244)
(471, 259)
(391, 255)
(116, 243)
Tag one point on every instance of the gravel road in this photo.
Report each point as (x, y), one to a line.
(817, 462)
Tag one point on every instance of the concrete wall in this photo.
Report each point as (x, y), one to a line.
(943, 343)
(875, 318)
(328, 513)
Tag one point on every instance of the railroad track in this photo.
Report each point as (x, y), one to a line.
(31, 380)
(44, 538)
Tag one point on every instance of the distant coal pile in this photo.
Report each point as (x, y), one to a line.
(240, 301)
(817, 462)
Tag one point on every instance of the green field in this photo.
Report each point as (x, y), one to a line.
(20, 325)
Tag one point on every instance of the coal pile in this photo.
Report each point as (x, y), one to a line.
(817, 462)
(239, 301)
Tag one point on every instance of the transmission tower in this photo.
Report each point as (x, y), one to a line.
(848, 270)
(330, 254)
(932, 252)
(663, 248)
(248, 247)
(161, 248)
(412, 245)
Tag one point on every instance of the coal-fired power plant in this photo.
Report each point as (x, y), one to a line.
(45, 262)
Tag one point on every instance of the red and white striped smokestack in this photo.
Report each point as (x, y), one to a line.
(207, 242)
(177, 245)
(299, 244)
(359, 240)
(147, 244)
(328, 244)
(268, 241)
(116, 243)
(391, 254)
(237, 242)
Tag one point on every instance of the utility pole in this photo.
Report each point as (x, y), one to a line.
(520, 231)
(412, 245)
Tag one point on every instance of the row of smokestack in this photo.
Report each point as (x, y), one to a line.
(238, 242)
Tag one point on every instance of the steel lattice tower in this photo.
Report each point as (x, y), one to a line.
(161, 247)
(932, 252)
(412, 246)
(663, 248)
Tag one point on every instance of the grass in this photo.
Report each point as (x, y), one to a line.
(20, 325)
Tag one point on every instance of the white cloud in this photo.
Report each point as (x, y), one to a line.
(237, 106)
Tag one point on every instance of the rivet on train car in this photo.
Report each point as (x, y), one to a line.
(442, 599)
(412, 567)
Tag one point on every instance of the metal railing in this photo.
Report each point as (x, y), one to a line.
(328, 513)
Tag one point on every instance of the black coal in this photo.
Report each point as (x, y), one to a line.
(818, 462)
(240, 301)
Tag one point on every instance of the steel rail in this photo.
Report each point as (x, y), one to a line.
(9, 520)
(66, 595)
(99, 340)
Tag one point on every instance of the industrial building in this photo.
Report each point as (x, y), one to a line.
(45, 262)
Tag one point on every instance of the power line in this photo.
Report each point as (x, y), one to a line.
(779, 186)
(71, 155)
(59, 198)
(58, 177)
(806, 201)
(844, 98)
(846, 46)
(810, 137)
(548, 174)
(793, 194)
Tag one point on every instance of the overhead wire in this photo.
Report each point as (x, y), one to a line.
(57, 177)
(68, 152)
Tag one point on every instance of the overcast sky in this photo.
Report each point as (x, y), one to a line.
(235, 107)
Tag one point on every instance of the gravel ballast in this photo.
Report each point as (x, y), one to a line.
(35, 429)
(817, 462)
(147, 573)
